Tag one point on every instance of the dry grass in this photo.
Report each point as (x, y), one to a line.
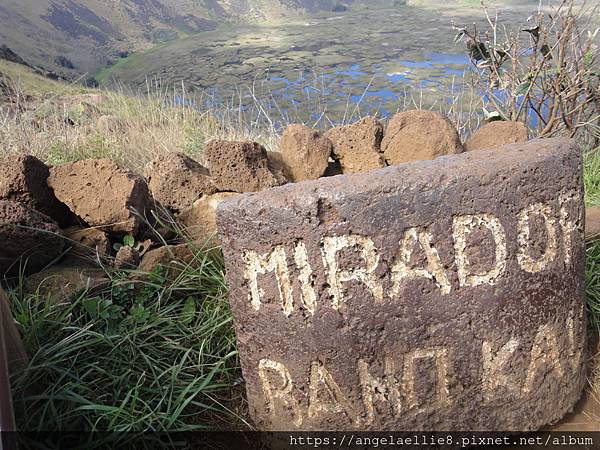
(60, 123)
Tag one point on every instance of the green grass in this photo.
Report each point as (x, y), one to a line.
(156, 355)
(592, 279)
(35, 84)
(591, 180)
(591, 177)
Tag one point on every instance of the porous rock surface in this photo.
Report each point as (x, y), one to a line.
(305, 152)
(62, 282)
(358, 146)
(592, 222)
(177, 181)
(173, 259)
(419, 135)
(239, 166)
(127, 258)
(27, 237)
(88, 241)
(200, 220)
(165, 256)
(436, 295)
(102, 194)
(23, 179)
(496, 134)
(277, 167)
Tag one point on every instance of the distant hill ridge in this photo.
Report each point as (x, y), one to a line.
(76, 36)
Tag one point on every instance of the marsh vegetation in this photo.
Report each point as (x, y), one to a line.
(331, 67)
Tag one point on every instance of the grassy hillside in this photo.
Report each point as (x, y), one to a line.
(60, 122)
(78, 36)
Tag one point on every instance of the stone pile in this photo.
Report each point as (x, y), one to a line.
(73, 215)
(67, 215)
(306, 154)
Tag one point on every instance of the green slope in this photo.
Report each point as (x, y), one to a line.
(90, 34)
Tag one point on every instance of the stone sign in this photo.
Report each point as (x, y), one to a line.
(437, 295)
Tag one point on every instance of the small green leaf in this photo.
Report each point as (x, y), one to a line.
(588, 60)
(91, 306)
(139, 313)
(129, 240)
(117, 246)
(522, 88)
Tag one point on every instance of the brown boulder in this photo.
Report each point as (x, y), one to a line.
(419, 135)
(127, 258)
(592, 223)
(277, 167)
(29, 235)
(304, 152)
(239, 166)
(177, 181)
(102, 194)
(23, 179)
(173, 258)
(442, 262)
(497, 134)
(64, 281)
(200, 220)
(358, 146)
(88, 241)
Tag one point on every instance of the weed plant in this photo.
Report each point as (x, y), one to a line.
(149, 352)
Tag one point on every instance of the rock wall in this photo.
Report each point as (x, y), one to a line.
(85, 207)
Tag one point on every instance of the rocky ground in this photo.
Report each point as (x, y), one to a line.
(63, 225)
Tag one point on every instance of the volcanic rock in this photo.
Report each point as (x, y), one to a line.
(277, 167)
(437, 295)
(102, 194)
(304, 152)
(239, 166)
(172, 258)
(127, 258)
(592, 222)
(29, 236)
(419, 135)
(358, 146)
(497, 134)
(177, 181)
(88, 241)
(23, 179)
(200, 219)
(64, 281)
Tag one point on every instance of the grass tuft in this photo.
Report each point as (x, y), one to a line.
(151, 355)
